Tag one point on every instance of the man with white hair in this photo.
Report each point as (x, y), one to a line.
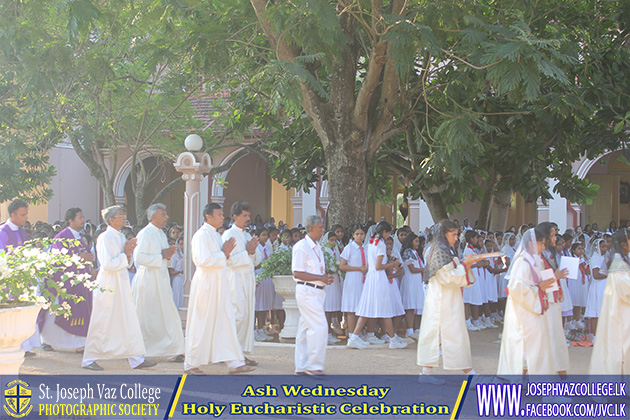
(309, 272)
(159, 318)
(114, 331)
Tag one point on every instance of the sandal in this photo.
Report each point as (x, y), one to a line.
(194, 371)
(177, 359)
(241, 369)
(250, 362)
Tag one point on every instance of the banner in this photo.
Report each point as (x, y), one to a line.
(305, 397)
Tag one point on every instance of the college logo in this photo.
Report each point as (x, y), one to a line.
(17, 397)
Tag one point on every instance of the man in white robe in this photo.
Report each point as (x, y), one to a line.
(241, 264)
(159, 319)
(210, 328)
(114, 331)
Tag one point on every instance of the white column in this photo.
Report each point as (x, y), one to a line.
(297, 208)
(204, 194)
(557, 207)
(414, 215)
(426, 220)
(309, 204)
(542, 211)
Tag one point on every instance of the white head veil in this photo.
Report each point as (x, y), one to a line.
(592, 249)
(505, 245)
(596, 251)
(528, 251)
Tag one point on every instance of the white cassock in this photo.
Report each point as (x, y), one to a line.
(525, 341)
(210, 327)
(611, 352)
(242, 280)
(114, 331)
(443, 320)
(159, 318)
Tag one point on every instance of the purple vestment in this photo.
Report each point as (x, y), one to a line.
(9, 237)
(79, 321)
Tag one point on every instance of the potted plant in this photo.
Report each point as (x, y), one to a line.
(278, 267)
(27, 285)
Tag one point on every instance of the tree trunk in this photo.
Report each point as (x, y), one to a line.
(436, 206)
(108, 195)
(500, 210)
(347, 185)
(483, 220)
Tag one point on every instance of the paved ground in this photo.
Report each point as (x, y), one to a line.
(277, 359)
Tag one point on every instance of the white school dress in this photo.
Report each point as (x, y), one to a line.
(595, 289)
(333, 290)
(474, 294)
(491, 282)
(265, 289)
(503, 282)
(579, 287)
(177, 283)
(353, 283)
(380, 297)
(567, 303)
(412, 287)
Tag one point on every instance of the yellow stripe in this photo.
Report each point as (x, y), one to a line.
(459, 400)
(179, 391)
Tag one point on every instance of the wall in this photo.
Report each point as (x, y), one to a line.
(247, 180)
(73, 186)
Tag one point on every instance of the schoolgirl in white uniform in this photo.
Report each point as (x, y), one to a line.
(412, 286)
(508, 246)
(473, 296)
(579, 287)
(332, 303)
(598, 283)
(265, 289)
(354, 264)
(380, 297)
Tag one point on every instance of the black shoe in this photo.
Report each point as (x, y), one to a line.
(47, 347)
(93, 366)
(29, 354)
(145, 364)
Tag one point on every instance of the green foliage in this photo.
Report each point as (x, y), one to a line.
(278, 264)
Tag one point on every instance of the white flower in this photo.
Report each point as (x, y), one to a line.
(64, 251)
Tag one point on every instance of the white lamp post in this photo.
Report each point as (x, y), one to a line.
(193, 165)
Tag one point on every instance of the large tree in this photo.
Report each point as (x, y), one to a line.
(466, 100)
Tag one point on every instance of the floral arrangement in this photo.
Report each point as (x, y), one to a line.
(277, 264)
(27, 276)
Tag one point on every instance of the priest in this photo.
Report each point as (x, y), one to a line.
(13, 235)
(114, 331)
(241, 262)
(210, 328)
(159, 318)
(69, 333)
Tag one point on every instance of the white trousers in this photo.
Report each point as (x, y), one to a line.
(312, 333)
